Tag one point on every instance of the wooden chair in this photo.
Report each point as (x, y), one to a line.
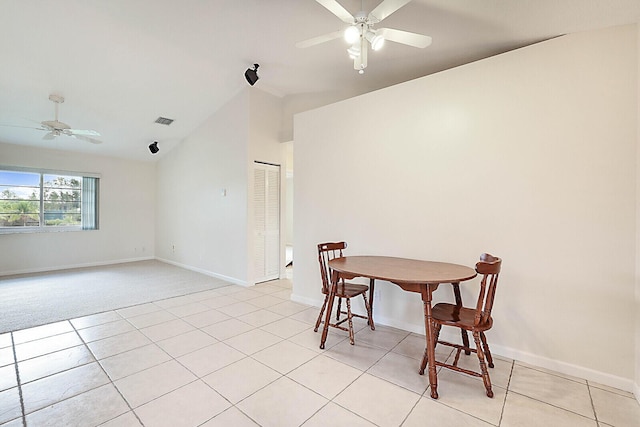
(475, 320)
(346, 290)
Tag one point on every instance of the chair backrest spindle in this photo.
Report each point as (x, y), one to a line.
(327, 252)
(489, 268)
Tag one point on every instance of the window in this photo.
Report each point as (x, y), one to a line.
(38, 200)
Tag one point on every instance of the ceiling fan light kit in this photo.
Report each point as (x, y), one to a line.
(360, 33)
(376, 40)
(351, 34)
(354, 51)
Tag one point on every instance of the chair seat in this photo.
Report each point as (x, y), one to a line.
(350, 290)
(462, 317)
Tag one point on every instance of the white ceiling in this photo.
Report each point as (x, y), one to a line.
(120, 64)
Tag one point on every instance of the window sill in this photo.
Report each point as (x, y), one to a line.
(32, 230)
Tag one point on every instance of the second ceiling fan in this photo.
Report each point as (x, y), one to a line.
(360, 33)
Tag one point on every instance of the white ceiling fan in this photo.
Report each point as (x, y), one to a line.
(360, 32)
(56, 128)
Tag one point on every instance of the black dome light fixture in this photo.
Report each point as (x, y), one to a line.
(153, 147)
(252, 74)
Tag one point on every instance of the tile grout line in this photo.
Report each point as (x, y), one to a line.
(593, 406)
(337, 394)
(155, 343)
(586, 383)
(252, 356)
(84, 343)
(199, 378)
(96, 360)
(15, 359)
(366, 371)
(552, 405)
(283, 339)
(506, 393)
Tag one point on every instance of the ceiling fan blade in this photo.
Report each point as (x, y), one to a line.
(50, 135)
(386, 8)
(22, 127)
(319, 39)
(405, 37)
(84, 132)
(87, 139)
(336, 8)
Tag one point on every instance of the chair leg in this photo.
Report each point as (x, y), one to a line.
(324, 305)
(485, 347)
(465, 341)
(349, 317)
(369, 313)
(339, 309)
(483, 366)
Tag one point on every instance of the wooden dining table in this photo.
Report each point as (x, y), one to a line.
(411, 275)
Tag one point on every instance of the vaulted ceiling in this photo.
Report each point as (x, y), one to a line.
(121, 64)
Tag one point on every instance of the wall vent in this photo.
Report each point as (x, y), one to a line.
(164, 121)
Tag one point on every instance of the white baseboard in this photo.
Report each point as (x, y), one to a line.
(206, 272)
(531, 359)
(564, 368)
(305, 300)
(511, 353)
(71, 266)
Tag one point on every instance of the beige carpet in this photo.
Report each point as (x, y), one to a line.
(38, 299)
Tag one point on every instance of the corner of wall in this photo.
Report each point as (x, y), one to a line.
(637, 293)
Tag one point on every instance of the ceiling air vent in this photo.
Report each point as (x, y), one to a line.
(164, 121)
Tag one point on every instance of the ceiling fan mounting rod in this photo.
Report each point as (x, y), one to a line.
(57, 99)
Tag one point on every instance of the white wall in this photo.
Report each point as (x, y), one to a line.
(197, 226)
(127, 215)
(297, 103)
(530, 155)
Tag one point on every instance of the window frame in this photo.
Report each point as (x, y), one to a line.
(42, 227)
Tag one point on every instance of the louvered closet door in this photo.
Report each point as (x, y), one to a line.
(267, 222)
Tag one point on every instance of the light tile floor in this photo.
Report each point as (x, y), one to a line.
(246, 357)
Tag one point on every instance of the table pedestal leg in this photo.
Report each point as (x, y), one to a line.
(327, 318)
(430, 351)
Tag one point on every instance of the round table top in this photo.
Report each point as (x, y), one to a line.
(402, 270)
